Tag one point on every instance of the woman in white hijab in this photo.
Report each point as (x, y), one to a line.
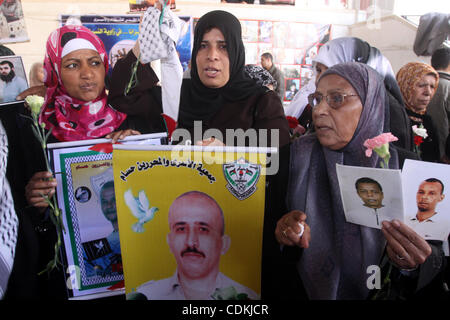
(351, 49)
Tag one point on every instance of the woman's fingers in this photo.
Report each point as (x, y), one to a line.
(41, 180)
(306, 237)
(121, 134)
(400, 260)
(40, 192)
(40, 185)
(40, 201)
(292, 230)
(212, 142)
(36, 90)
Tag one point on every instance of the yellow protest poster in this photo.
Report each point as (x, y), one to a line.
(190, 222)
(85, 193)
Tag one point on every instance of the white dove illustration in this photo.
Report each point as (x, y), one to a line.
(140, 208)
(99, 246)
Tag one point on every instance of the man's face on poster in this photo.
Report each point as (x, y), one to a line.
(370, 194)
(108, 203)
(428, 196)
(6, 72)
(5, 69)
(196, 235)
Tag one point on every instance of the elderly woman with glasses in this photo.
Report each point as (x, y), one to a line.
(348, 108)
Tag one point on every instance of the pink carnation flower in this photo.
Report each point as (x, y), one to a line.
(378, 143)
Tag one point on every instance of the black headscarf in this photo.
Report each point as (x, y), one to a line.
(199, 102)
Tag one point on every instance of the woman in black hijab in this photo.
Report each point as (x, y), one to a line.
(219, 93)
(221, 96)
(234, 103)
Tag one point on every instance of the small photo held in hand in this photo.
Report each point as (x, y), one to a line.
(427, 209)
(13, 79)
(370, 196)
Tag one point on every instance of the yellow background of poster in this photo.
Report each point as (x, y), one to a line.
(146, 256)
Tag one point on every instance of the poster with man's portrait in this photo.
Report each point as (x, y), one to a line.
(249, 30)
(13, 79)
(265, 31)
(120, 32)
(369, 195)
(190, 222)
(427, 206)
(12, 22)
(416, 196)
(251, 54)
(292, 86)
(291, 71)
(86, 197)
(306, 75)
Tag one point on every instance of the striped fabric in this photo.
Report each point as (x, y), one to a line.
(8, 218)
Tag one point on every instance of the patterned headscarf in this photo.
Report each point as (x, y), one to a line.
(71, 119)
(9, 223)
(408, 76)
(260, 75)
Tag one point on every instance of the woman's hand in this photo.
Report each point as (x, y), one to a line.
(36, 90)
(210, 142)
(121, 134)
(404, 246)
(288, 230)
(41, 184)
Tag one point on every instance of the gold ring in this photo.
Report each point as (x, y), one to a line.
(284, 233)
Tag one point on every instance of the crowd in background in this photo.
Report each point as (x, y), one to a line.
(353, 96)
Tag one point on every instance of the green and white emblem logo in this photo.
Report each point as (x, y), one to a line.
(242, 177)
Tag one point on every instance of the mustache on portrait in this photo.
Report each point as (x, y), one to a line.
(192, 250)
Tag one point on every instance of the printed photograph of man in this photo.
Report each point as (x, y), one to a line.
(12, 22)
(11, 84)
(370, 192)
(197, 240)
(102, 256)
(428, 221)
(370, 196)
(372, 211)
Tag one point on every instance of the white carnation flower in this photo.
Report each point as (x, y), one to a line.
(420, 131)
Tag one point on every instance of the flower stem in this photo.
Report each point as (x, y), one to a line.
(55, 212)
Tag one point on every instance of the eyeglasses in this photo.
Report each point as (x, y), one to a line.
(335, 100)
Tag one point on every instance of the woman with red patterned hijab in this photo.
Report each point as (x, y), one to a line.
(75, 106)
